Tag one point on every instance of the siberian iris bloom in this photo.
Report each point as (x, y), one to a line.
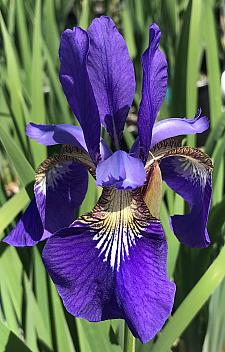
(111, 262)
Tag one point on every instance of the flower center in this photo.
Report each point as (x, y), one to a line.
(117, 222)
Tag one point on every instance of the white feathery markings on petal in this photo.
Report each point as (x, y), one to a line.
(116, 230)
(56, 173)
(41, 186)
(192, 169)
(49, 177)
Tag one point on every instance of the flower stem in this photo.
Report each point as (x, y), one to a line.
(129, 340)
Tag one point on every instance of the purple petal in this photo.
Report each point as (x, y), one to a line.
(84, 281)
(63, 134)
(177, 127)
(144, 290)
(59, 189)
(105, 151)
(135, 148)
(121, 170)
(56, 134)
(111, 74)
(153, 88)
(110, 267)
(29, 230)
(173, 127)
(194, 183)
(74, 78)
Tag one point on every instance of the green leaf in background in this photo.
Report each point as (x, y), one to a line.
(194, 54)
(36, 77)
(128, 29)
(41, 290)
(12, 208)
(10, 342)
(173, 243)
(13, 81)
(63, 338)
(215, 100)
(191, 305)
(215, 336)
(170, 9)
(23, 39)
(85, 13)
(50, 29)
(97, 337)
(22, 166)
(212, 59)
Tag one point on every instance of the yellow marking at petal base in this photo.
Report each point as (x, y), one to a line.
(117, 221)
(153, 190)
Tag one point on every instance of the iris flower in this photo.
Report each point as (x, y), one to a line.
(111, 262)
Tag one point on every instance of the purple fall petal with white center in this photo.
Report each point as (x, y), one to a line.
(190, 177)
(29, 229)
(59, 189)
(74, 78)
(63, 134)
(121, 170)
(153, 88)
(111, 263)
(111, 74)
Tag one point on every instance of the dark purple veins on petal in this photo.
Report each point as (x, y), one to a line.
(190, 176)
(111, 263)
(60, 187)
(111, 74)
(74, 78)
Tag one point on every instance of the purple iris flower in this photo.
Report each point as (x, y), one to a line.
(111, 262)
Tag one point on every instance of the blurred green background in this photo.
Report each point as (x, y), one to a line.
(32, 317)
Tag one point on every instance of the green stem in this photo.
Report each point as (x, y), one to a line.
(129, 340)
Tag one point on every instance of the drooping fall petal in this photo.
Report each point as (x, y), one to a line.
(188, 172)
(111, 263)
(29, 229)
(60, 187)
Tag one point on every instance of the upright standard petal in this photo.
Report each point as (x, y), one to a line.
(188, 172)
(74, 78)
(111, 74)
(111, 263)
(177, 127)
(121, 170)
(60, 187)
(29, 229)
(153, 89)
